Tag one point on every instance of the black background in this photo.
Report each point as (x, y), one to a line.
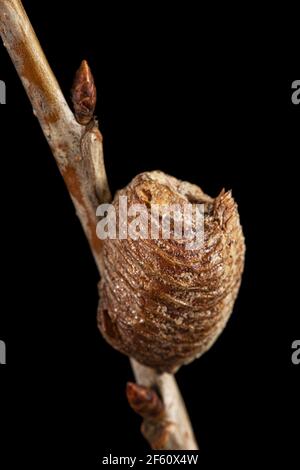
(169, 99)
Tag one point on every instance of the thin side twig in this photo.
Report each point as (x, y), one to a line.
(78, 151)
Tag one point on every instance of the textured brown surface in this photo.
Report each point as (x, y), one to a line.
(160, 303)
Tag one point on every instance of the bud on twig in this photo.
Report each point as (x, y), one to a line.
(144, 401)
(159, 431)
(84, 94)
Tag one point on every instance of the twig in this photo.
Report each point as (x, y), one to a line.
(58, 123)
(77, 148)
(169, 428)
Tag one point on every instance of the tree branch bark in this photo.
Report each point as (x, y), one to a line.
(78, 152)
(171, 429)
(57, 121)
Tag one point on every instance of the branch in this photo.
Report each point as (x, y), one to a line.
(166, 422)
(78, 151)
(63, 133)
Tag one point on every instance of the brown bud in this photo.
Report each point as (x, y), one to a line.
(84, 95)
(144, 401)
(160, 303)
